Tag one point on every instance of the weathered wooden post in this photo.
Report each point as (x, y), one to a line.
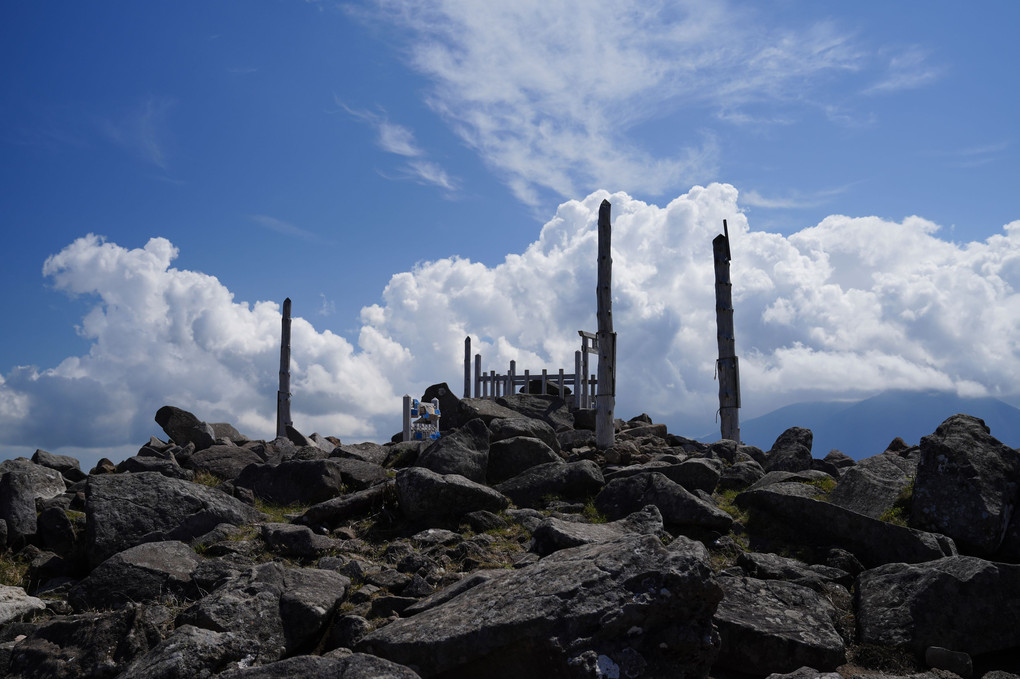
(467, 367)
(605, 434)
(283, 395)
(726, 366)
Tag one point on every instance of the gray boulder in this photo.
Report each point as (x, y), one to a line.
(366, 452)
(679, 507)
(625, 608)
(791, 452)
(570, 481)
(552, 410)
(872, 486)
(791, 510)
(189, 651)
(483, 409)
(962, 603)
(504, 428)
(554, 534)
(223, 462)
(966, 485)
(464, 451)
(434, 499)
(16, 605)
(149, 572)
(168, 467)
(277, 610)
(511, 456)
(124, 510)
(694, 475)
(45, 482)
(765, 566)
(741, 475)
(297, 541)
(68, 466)
(774, 626)
(184, 428)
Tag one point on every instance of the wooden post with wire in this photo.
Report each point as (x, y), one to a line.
(726, 365)
(605, 434)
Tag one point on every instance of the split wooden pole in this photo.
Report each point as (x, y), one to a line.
(726, 365)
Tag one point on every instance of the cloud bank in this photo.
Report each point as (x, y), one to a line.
(848, 307)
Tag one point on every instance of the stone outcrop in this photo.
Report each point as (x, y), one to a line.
(661, 556)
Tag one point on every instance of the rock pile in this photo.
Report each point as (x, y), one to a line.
(512, 547)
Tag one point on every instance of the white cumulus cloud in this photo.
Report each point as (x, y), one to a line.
(848, 307)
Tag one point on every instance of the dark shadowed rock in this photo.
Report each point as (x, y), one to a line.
(184, 428)
(511, 456)
(335, 511)
(125, 510)
(629, 607)
(427, 497)
(225, 430)
(741, 475)
(223, 462)
(56, 532)
(764, 566)
(464, 452)
(449, 405)
(961, 602)
(298, 541)
(483, 409)
(552, 410)
(354, 666)
(555, 534)
(792, 510)
(966, 485)
(571, 481)
(168, 467)
(17, 506)
(504, 428)
(791, 452)
(773, 626)
(86, 645)
(366, 452)
(679, 507)
(872, 486)
(839, 459)
(308, 481)
(145, 573)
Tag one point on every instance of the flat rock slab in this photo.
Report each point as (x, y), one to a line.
(554, 534)
(788, 507)
(124, 510)
(679, 507)
(427, 497)
(143, 573)
(963, 603)
(567, 480)
(354, 666)
(630, 604)
(776, 626)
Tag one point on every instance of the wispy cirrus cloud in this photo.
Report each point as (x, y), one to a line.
(909, 68)
(286, 228)
(557, 95)
(400, 140)
(143, 130)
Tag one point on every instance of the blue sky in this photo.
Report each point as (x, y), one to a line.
(409, 173)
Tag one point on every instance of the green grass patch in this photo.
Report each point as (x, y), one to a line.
(592, 514)
(899, 513)
(726, 501)
(209, 479)
(826, 485)
(13, 572)
(278, 513)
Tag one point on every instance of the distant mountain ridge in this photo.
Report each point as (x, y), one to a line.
(864, 428)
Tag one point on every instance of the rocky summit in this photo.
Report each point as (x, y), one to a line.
(511, 547)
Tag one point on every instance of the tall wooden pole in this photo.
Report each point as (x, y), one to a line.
(283, 395)
(726, 366)
(605, 434)
(467, 368)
